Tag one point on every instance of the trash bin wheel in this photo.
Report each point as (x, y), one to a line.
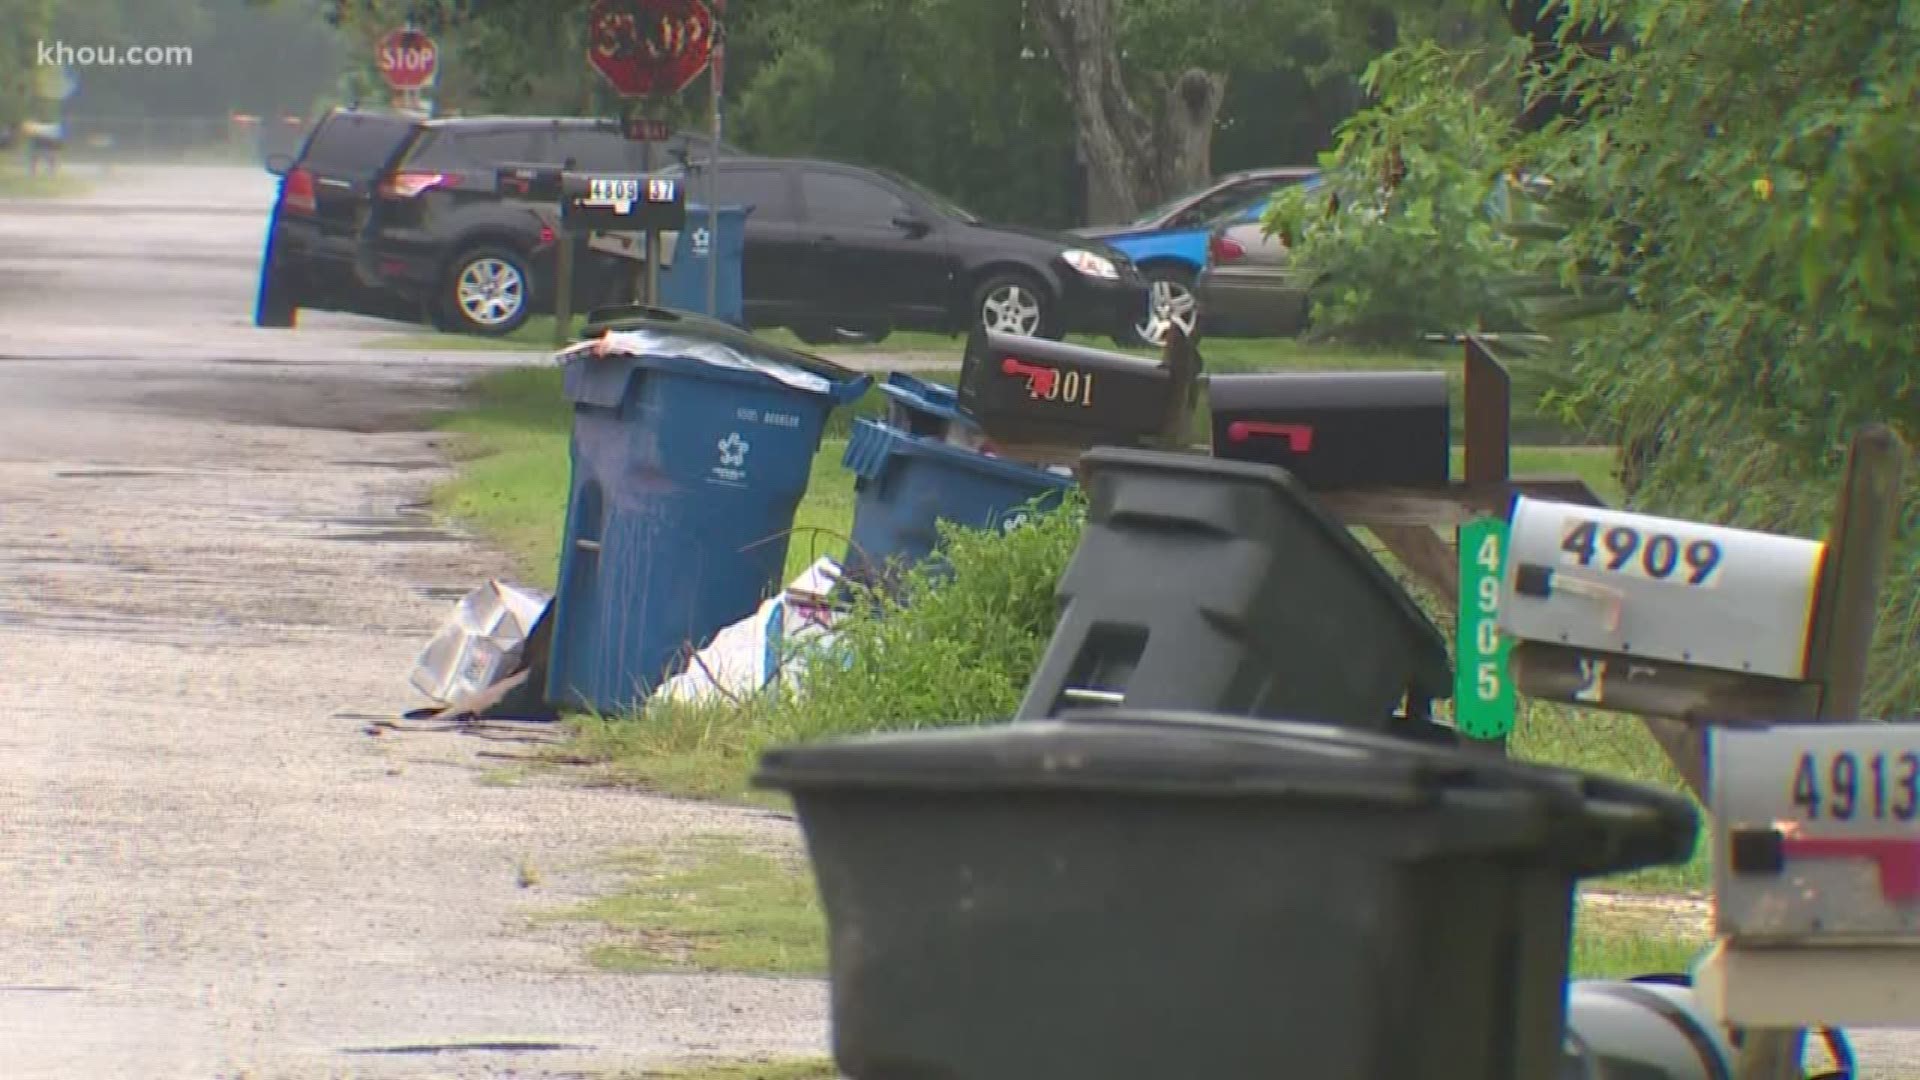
(487, 290)
(1012, 302)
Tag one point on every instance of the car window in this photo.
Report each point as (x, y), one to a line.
(356, 144)
(591, 150)
(764, 189)
(843, 199)
(445, 148)
(1227, 199)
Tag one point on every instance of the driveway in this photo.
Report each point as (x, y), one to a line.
(215, 565)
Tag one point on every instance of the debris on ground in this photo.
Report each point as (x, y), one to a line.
(764, 646)
(480, 644)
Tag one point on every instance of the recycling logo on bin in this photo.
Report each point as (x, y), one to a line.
(701, 241)
(733, 459)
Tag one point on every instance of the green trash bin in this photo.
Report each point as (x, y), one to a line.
(1145, 896)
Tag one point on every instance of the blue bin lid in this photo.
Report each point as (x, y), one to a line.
(693, 344)
(873, 444)
(932, 398)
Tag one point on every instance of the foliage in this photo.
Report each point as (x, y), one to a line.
(954, 644)
(23, 25)
(1400, 239)
(1749, 175)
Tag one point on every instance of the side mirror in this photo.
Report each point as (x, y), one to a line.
(912, 224)
(279, 164)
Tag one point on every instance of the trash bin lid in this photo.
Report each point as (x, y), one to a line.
(1591, 824)
(690, 324)
(1436, 678)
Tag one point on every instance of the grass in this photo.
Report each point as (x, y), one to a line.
(712, 905)
(715, 906)
(15, 183)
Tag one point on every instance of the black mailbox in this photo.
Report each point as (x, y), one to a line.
(539, 183)
(1337, 430)
(623, 202)
(1036, 391)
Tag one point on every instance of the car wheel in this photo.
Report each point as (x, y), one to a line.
(1171, 302)
(1013, 303)
(487, 291)
(275, 308)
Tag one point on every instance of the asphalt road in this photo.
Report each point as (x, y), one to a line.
(214, 562)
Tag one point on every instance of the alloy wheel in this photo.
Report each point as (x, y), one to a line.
(490, 291)
(1170, 303)
(1011, 309)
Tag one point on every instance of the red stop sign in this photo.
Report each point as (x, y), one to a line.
(406, 58)
(645, 47)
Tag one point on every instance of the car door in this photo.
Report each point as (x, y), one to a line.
(874, 256)
(776, 268)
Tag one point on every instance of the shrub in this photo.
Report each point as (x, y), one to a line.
(1400, 239)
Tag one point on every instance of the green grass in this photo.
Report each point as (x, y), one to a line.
(715, 906)
(712, 905)
(15, 183)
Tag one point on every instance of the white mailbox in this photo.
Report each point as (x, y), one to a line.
(1817, 832)
(1676, 591)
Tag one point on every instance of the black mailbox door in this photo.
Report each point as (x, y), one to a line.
(1031, 390)
(1337, 431)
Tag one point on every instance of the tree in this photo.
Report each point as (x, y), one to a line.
(23, 25)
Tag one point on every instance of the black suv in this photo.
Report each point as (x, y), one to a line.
(440, 234)
(834, 250)
(324, 190)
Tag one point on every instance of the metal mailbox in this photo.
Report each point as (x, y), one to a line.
(1337, 430)
(1032, 390)
(1817, 832)
(622, 202)
(1663, 589)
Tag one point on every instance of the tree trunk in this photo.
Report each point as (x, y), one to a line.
(1133, 158)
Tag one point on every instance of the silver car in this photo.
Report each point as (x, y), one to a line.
(1247, 288)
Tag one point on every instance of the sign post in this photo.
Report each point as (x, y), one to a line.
(407, 59)
(649, 50)
(1483, 698)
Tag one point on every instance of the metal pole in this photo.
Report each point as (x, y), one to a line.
(714, 77)
(563, 287)
(650, 280)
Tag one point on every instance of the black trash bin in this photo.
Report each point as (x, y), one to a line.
(1147, 896)
(1222, 586)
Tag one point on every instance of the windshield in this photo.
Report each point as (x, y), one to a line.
(938, 202)
(1161, 211)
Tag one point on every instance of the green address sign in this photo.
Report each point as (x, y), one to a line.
(1483, 701)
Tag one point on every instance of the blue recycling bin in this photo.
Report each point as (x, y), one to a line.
(920, 407)
(686, 476)
(905, 484)
(683, 285)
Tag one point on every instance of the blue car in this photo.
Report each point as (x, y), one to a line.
(1169, 243)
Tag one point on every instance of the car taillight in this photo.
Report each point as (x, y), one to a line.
(298, 195)
(546, 235)
(1224, 249)
(406, 185)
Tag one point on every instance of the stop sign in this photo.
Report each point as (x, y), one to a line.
(406, 58)
(645, 47)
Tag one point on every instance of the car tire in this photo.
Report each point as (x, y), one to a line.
(1171, 300)
(851, 334)
(1011, 302)
(487, 290)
